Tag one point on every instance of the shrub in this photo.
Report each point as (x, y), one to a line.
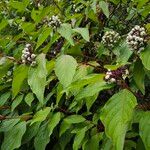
(74, 74)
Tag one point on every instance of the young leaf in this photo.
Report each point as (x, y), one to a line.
(41, 115)
(12, 138)
(116, 115)
(66, 31)
(144, 127)
(37, 77)
(65, 68)
(19, 75)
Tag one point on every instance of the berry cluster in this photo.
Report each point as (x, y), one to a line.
(53, 21)
(110, 38)
(27, 56)
(136, 38)
(112, 76)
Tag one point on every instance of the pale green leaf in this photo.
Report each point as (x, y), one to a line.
(19, 75)
(66, 31)
(12, 138)
(144, 127)
(65, 68)
(93, 89)
(116, 116)
(105, 8)
(29, 98)
(37, 77)
(41, 115)
(145, 57)
(84, 33)
(74, 119)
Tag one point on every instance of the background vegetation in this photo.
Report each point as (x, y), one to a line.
(74, 74)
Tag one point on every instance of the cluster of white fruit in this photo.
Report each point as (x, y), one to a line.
(27, 56)
(110, 38)
(53, 21)
(112, 76)
(136, 38)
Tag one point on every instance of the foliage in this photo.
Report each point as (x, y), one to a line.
(74, 74)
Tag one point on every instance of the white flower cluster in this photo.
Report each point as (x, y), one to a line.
(112, 76)
(27, 56)
(110, 38)
(77, 9)
(136, 38)
(54, 22)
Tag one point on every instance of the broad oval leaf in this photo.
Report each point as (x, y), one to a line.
(65, 68)
(116, 115)
(37, 77)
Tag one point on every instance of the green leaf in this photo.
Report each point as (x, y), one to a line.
(7, 125)
(19, 75)
(20, 6)
(145, 57)
(105, 8)
(37, 77)
(74, 119)
(54, 120)
(13, 137)
(144, 127)
(93, 142)
(79, 138)
(65, 68)
(42, 138)
(16, 102)
(84, 33)
(93, 89)
(139, 76)
(31, 132)
(29, 98)
(43, 36)
(4, 97)
(90, 101)
(41, 115)
(64, 127)
(116, 116)
(3, 24)
(66, 31)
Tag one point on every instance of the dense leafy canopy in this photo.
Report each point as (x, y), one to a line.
(75, 74)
